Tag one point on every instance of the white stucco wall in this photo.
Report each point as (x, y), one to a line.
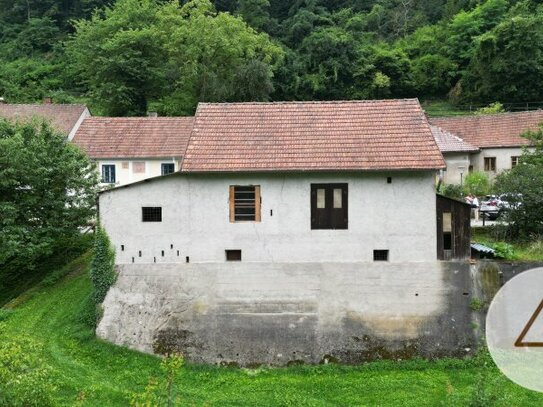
(457, 163)
(400, 217)
(503, 159)
(127, 175)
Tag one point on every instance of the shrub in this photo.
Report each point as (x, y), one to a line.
(102, 272)
(24, 377)
(477, 183)
(161, 393)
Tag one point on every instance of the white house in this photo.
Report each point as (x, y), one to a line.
(130, 149)
(498, 136)
(64, 118)
(286, 182)
(294, 232)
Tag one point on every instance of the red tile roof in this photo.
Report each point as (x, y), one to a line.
(449, 143)
(311, 136)
(63, 118)
(494, 130)
(125, 137)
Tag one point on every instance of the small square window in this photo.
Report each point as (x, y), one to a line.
(151, 214)
(380, 255)
(167, 168)
(514, 161)
(233, 255)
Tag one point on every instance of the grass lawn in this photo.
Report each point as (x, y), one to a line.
(90, 372)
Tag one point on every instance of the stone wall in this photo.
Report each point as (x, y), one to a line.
(283, 313)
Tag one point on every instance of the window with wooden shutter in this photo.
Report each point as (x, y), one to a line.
(245, 203)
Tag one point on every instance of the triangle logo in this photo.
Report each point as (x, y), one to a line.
(520, 340)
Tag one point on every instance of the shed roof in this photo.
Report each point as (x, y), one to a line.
(449, 143)
(311, 136)
(125, 137)
(61, 117)
(493, 130)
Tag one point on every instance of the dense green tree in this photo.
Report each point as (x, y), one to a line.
(47, 192)
(214, 57)
(508, 62)
(119, 57)
(524, 186)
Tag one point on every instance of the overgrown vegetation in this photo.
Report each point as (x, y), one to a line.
(82, 370)
(167, 56)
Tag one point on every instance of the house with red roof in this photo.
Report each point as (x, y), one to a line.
(497, 136)
(130, 149)
(64, 118)
(336, 175)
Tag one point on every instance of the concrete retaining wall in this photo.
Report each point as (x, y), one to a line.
(283, 313)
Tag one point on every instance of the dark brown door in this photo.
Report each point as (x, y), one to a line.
(329, 206)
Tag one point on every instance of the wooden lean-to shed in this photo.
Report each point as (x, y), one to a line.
(453, 228)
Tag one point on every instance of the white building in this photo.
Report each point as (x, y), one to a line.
(287, 182)
(130, 149)
(498, 137)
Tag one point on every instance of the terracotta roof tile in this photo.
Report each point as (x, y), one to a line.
(305, 136)
(62, 117)
(494, 130)
(449, 143)
(125, 137)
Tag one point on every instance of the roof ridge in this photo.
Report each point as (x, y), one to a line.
(43, 104)
(294, 102)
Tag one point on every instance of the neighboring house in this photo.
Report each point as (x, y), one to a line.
(300, 181)
(457, 154)
(497, 135)
(65, 119)
(130, 149)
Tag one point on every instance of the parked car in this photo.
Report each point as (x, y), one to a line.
(492, 206)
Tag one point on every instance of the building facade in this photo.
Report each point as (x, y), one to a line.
(131, 149)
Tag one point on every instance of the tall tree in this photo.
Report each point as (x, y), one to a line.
(47, 192)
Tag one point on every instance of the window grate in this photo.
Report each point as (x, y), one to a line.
(245, 203)
(380, 255)
(151, 214)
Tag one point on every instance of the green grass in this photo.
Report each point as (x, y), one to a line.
(90, 372)
(443, 108)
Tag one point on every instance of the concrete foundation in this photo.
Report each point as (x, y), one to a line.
(284, 313)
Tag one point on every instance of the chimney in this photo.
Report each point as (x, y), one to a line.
(47, 101)
(152, 114)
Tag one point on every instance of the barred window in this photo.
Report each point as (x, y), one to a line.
(245, 203)
(151, 214)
